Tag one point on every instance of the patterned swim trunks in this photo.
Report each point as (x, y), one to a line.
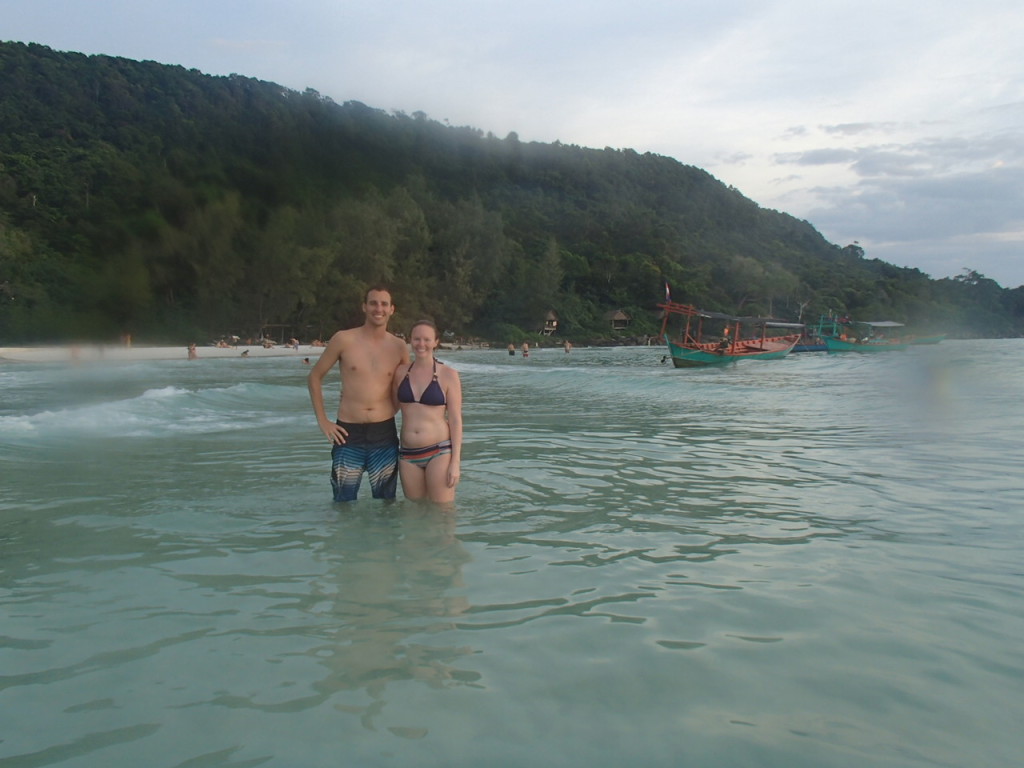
(370, 448)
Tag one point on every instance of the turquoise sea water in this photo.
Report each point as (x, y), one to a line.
(811, 562)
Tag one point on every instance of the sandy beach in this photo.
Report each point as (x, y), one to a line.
(94, 353)
(97, 353)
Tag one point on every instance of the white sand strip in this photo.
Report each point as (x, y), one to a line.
(81, 353)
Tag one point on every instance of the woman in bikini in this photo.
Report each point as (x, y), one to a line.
(429, 396)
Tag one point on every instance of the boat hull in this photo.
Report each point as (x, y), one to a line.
(815, 347)
(700, 355)
(865, 347)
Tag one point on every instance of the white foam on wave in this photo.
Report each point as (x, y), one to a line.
(106, 418)
(163, 392)
(465, 367)
(16, 425)
(147, 414)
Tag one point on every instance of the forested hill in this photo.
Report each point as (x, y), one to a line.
(151, 199)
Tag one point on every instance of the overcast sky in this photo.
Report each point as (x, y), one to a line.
(896, 124)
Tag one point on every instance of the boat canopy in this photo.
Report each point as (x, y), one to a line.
(759, 321)
(685, 309)
(881, 323)
(773, 323)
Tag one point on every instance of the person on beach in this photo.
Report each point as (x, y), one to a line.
(429, 394)
(364, 437)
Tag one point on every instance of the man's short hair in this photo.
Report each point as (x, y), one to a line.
(377, 287)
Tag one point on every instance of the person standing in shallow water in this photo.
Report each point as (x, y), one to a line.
(364, 436)
(429, 395)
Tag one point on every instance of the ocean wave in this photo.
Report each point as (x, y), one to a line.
(163, 392)
(163, 410)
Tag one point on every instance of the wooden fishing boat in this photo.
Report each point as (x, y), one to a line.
(864, 345)
(845, 335)
(735, 338)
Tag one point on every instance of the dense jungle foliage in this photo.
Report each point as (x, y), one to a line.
(142, 198)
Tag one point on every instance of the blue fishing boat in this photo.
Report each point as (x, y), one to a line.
(834, 333)
(867, 336)
(810, 341)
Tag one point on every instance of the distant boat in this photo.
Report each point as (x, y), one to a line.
(692, 349)
(810, 341)
(845, 335)
(864, 345)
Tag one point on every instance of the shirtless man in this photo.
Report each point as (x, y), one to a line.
(363, 437)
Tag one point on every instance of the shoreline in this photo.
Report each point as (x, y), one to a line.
(106, 353)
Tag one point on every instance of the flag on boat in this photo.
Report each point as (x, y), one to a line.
(668, 293)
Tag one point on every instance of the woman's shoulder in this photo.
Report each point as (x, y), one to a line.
(446, 371)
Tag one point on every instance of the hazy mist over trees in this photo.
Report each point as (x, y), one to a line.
(151, 199)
